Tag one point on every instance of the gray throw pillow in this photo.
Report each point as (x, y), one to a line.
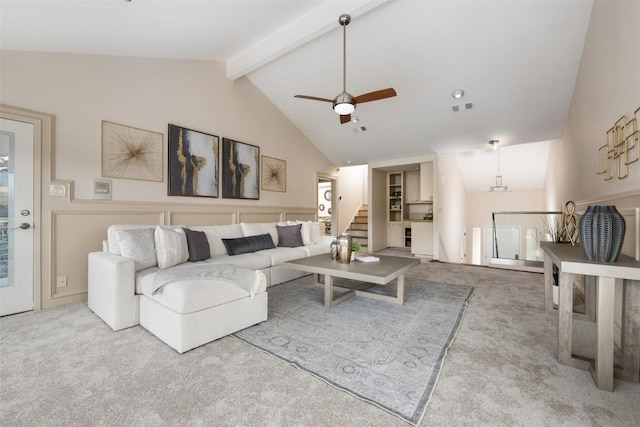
(290, 236)
(243, 245)
(198, 245)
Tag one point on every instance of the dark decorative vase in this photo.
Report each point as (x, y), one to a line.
(602, 233)
(586, 236)
(619, 228)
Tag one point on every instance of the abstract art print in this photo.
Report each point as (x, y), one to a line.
(193, 163)
(131, 153)
(240, 170)
(274, 174)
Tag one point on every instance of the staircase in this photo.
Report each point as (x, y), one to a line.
(358, 229)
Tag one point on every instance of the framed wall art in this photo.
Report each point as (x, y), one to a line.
(274, 174)
(131, 153)
(240, 170)
(193, 163)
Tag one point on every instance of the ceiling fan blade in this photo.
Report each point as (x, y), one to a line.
(374, 96)
(346, 118)
(313, 98)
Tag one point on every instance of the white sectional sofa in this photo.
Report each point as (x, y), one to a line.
(191, 285)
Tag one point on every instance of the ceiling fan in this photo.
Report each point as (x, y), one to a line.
(344, 104)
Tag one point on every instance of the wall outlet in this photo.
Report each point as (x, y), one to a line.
(61, 282)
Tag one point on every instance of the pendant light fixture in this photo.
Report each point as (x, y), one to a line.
(498, 188)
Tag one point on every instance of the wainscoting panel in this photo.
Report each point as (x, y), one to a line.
(75, 234)
(300, 216)
(273, 216)
(202, 218)
(79, 227)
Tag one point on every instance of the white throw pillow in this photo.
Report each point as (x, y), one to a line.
(137, 244)
(305, 231)
(316, 234)
(171, 246)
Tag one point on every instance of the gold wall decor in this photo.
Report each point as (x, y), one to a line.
(621, 148)
(570, 223)
(274, 174)
(131, 153)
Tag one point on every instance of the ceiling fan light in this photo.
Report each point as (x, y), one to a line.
(344, 108)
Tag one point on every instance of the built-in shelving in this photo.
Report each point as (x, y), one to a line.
(407, 235)
(395, 191)
(395, 209)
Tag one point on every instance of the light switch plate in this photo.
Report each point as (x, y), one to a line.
(57, 190)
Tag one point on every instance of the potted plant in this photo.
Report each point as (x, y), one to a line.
(355, 247)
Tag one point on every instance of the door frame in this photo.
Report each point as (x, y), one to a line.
(334, 198)
(42, 139)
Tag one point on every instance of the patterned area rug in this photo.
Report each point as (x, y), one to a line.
(387, 354)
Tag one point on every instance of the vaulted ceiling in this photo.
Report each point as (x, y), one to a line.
(517, 63)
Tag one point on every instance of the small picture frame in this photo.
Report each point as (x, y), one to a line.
(101, 189)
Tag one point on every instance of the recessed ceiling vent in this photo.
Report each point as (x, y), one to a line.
(360, 129)
(464, 106)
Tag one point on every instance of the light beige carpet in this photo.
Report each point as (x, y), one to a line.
(65, 367)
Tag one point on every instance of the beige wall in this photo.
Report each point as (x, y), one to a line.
(83, 90)
(607, 88)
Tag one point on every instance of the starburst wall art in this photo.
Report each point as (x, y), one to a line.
(131, 153)
(274, 174)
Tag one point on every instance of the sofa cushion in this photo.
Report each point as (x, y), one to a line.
(289, 236)
(243, 245)
(191, 295)
(254, 260)
(321, 248)
(171, 246)
(215, 234)
(316, 234)
(284, 254)
(198, 245)
(253, 229)
(138, 245)
(305, 231)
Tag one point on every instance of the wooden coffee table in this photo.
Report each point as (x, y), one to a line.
(376, 273)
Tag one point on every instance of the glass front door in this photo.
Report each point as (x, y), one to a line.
(16, 216)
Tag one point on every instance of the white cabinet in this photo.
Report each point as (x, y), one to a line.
(395, 234)
(426, 181)
(412, 187)
(422, 238)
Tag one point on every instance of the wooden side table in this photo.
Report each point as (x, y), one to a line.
(626, 270)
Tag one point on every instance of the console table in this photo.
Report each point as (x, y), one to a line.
(626, 271)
